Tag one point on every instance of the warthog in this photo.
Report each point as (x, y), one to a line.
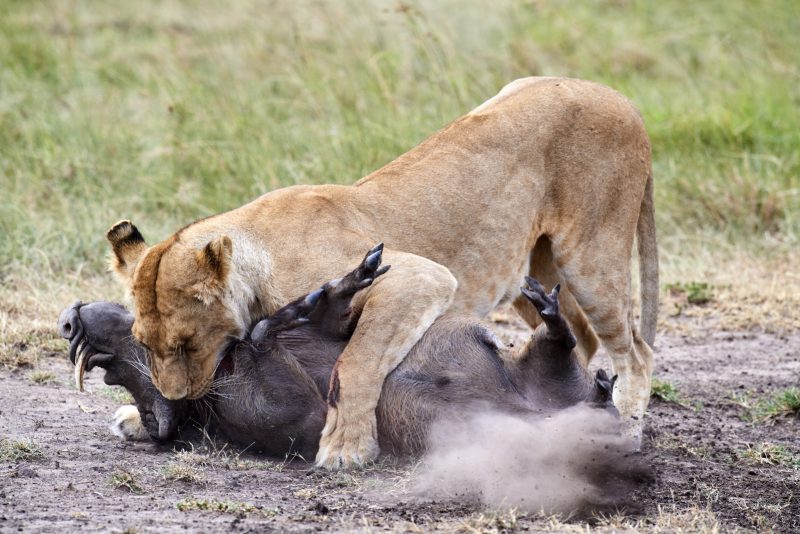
(270, 388)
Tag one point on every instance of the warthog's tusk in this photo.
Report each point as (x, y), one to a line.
(77, 354)
(80, 369)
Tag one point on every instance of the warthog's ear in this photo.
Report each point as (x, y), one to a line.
(128, 247)
(213, 264)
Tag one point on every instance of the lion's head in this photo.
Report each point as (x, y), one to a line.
(183, 315)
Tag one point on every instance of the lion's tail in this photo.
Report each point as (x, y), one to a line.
(648, 263)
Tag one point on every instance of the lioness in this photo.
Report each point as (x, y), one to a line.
(551, 178)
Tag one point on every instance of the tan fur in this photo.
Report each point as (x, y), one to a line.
(127, 424)
(563, 161)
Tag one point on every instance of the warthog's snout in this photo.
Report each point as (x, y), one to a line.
(69, 321)
(71, 329)
(95, 331)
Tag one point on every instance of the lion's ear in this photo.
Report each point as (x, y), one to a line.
(128, 247)
(213, 264)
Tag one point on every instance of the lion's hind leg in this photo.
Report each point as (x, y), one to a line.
(597, 271)
(394, 314)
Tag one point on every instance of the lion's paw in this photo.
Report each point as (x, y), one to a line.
(127, 424)
(347, 445)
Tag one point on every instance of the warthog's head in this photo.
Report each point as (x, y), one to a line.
(100, 336)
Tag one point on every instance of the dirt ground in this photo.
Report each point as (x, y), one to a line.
(719, 465)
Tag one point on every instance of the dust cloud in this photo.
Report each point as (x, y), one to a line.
(574, 461)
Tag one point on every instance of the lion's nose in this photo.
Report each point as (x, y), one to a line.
(175, 393)
(69, 321)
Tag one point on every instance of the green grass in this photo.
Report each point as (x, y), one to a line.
(784, 403)
(21, 450)
(127, 480)
(769, 454)
(118, 394)
(41, 377)
(779, 404)
(164, 112)
(696, 293)
(225, 507)
(666, 391)
(183, 472)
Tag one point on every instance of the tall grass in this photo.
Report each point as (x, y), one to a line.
(166, 111)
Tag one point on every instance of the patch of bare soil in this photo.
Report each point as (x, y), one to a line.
(708, 451)
(61, 468)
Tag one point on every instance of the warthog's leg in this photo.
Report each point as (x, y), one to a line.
(293, 315)
(335, 314)
(394, 313)
(548, 366)
(547, 306)
(329, 308)
(543, 269)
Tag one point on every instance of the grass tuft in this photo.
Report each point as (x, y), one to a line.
(491, 521)
(306, 493)
(118, 394)
(679, 444)
(668, 392)
(780, 404)
(125, 479)
(769, 454)
(695, 293)
(225, 507)
(21, 450)
(221, 458)
(784, 403)
(661, 389)
(14, 358)
(183, 472)
(41, 377)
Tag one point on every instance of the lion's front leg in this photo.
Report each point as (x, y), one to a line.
(395, 313)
